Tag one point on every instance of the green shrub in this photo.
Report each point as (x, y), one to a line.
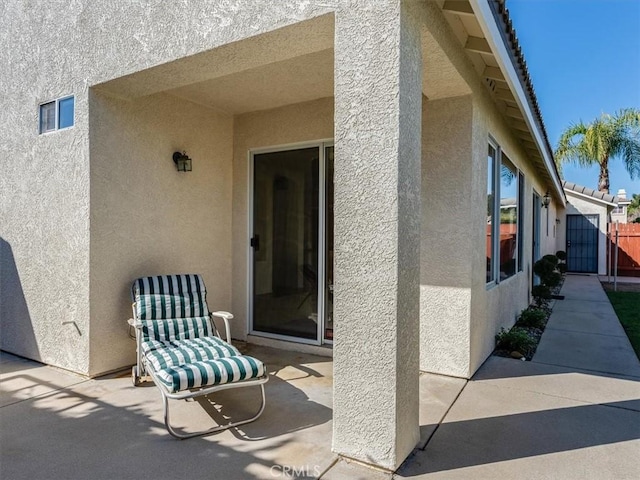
(543, 268)
(541, 295)
(515, 339)
(552, 259)
(532, 318)
(562, 268)
(553, 280)
(562, 255)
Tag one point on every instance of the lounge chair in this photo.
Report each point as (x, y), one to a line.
(179, 346)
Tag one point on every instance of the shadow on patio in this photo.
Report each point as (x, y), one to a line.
(58, 425)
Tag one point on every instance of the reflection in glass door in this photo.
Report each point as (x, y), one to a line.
(292, 286)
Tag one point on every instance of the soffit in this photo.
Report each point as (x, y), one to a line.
(464, 24)
(300, 79)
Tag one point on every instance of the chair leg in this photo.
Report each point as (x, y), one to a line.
(218, 428)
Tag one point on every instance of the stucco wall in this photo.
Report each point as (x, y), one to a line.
(446, 247)
(146, 217)
(299, 123)
(578, 205)
(499, 305)
(60, 48)
(44, 229)
(457, 341)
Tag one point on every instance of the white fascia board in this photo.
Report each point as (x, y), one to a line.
(590, 198)
(493, 35)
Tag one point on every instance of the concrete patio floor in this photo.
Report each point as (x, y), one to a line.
(571, 413)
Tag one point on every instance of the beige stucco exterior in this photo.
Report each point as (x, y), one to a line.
(86, 210)
(146, 216)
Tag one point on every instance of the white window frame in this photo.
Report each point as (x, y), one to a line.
(493, 280)
(495, 223)
(56, 103)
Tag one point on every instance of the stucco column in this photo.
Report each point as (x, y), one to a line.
(377, 228)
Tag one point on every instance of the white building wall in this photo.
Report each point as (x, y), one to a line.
(149, 219)
(61, 48)
(459, 315)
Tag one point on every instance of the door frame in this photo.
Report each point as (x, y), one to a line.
(536, 214)
(321, 145)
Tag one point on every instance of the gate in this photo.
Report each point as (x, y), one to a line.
(582, 243)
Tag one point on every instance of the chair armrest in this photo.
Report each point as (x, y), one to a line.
(226, 316)
(134, 323)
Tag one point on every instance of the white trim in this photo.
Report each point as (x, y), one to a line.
(485, 18)
(322, 268)
(56, 108)
(568, 191)
(320, 145)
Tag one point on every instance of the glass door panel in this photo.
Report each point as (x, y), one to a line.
(285, 243)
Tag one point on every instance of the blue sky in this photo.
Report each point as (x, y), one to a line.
(584, 59)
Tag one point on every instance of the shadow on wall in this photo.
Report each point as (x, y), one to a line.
(15, 322)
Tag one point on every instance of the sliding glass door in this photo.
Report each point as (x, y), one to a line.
(292, 255)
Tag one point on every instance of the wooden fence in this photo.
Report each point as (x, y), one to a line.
(628, 248)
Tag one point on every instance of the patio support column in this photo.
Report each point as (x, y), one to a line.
(378, 97)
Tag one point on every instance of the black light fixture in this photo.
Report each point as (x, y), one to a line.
(182, 161)
(546, 200)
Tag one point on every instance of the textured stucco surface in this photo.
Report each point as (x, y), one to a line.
(447, 211)
(499, 306)
(459, 315)
(149, 219)
(582, 206)
(377, 227)
(76, 210)
(62, 48)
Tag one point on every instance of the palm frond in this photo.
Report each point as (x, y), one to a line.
(603, 139)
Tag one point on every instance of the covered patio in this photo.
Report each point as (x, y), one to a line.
(566, 414)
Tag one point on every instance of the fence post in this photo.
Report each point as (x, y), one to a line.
(615, 265)
(610, 240)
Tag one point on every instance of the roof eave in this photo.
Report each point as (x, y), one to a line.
(493, 35)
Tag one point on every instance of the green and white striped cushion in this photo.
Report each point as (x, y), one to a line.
(170, 296)
(179, 352)
(175, 328)
(210, 372)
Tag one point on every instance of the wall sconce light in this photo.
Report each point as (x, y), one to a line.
(557, 221)
(182, 161)
(546, 200)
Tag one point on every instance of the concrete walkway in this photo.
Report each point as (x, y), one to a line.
(571, 413)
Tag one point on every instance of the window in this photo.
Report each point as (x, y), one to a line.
(505, 204)
(57, 114)
(508, 218)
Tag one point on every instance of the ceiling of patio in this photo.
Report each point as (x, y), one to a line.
(286, 66)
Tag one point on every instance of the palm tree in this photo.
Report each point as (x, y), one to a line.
(598, 142)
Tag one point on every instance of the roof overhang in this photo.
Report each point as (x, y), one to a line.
(589, 198)
(511, 92)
